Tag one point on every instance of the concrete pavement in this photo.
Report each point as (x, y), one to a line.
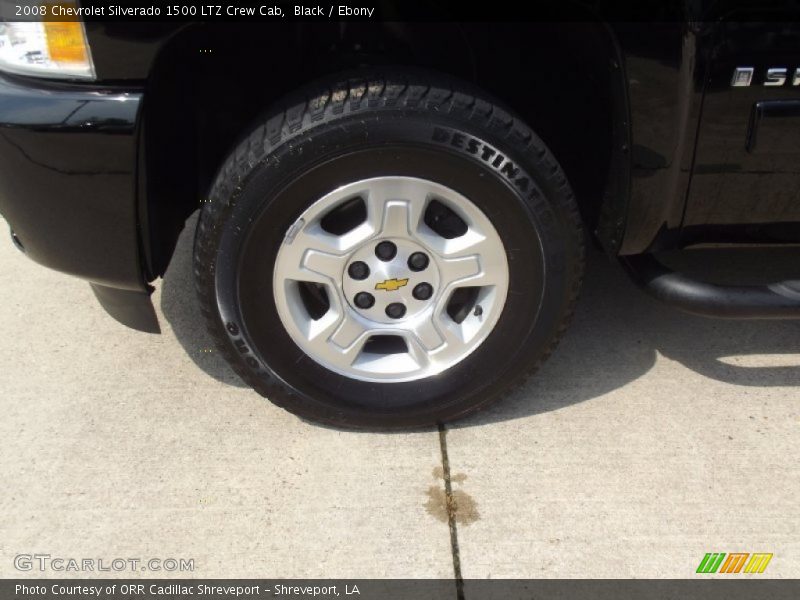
(115, 443)
(648, 439)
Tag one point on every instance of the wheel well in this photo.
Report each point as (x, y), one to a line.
(208, 84)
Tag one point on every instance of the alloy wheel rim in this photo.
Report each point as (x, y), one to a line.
(390, 279)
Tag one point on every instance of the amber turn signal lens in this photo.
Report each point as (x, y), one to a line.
(66, 41)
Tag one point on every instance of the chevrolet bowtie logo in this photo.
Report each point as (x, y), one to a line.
(391, 285)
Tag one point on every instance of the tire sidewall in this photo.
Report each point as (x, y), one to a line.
(318, 158)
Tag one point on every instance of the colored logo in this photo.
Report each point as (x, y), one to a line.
(391, 285)
(716, 562)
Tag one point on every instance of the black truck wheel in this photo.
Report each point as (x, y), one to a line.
(388, 250)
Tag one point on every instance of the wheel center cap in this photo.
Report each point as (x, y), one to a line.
(391, 280)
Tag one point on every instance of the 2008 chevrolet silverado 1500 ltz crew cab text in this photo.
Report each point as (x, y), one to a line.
(393, 215)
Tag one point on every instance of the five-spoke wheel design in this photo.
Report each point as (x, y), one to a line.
(390, 279)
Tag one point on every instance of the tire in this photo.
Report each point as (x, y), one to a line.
(431, 135)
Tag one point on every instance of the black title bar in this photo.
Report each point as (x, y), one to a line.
(396, 10)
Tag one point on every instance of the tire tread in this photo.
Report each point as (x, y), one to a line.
(326, 101)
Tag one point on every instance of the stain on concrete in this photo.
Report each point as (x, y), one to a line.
(438, 473)
(459, 505)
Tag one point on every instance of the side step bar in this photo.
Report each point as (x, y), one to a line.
(775, 301)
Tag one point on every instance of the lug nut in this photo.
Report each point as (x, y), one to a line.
(364, 300)
(418, 261)
(395, 310)
(422, 291)
(358, 270)
(386, 251)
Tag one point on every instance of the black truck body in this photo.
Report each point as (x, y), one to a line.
(97, 178)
